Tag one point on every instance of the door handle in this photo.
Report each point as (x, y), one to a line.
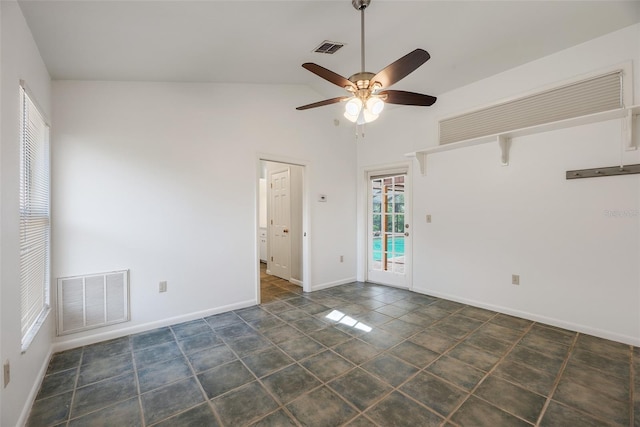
(285, 230)
(406, 234)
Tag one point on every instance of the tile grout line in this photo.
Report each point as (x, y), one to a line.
(75, 385)
(489, 372)
(94, 411)
(423, 369)
(273, 396)
(554, 387)
(195, 377)
(322, 383)
(387, 351)
(135, 373)
(356, 366)
(420, 370)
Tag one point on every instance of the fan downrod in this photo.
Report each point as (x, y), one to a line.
(360, 4)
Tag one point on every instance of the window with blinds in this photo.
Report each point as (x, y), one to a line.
(593, 95)
(34, 218)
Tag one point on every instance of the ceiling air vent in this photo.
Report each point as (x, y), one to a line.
(328, 47)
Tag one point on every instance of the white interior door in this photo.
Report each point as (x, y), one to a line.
(279, 225)
(388, 243)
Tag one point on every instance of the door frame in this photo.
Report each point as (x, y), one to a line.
(363, 215)
(306, 218)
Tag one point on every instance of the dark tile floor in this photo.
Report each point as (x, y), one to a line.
(357, 355)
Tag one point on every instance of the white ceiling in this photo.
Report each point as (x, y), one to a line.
(267, 41)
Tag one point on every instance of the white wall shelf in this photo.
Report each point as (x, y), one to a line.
(504, 139)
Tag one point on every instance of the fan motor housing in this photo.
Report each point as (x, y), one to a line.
(362, 79)
(360, 4)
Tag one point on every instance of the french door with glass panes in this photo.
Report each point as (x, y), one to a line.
(389, 248)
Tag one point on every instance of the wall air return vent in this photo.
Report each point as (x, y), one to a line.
(92, 301)
(328, 47)
(589, 96)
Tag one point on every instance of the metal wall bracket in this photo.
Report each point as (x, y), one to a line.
(608, 171)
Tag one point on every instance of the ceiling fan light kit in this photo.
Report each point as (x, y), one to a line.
(366, 98)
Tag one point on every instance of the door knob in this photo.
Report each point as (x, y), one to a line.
(285, 230)
(406, 234)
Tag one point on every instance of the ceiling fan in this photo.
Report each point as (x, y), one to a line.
(367, 97)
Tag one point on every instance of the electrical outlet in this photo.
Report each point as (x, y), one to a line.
(341, 258)
(428, 218)
(515, 279)
(162, 287)
(7, 373)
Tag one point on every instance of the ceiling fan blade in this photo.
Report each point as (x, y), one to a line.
(402, 97)
(400, 69)
(325, 102)
(329, 75)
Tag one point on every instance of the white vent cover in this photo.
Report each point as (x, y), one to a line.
(92, 301)
(589, 96)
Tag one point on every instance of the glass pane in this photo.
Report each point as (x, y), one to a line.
(399, 224)
(389, 202)
(399, 246)
(399, 203)
(377, 224)
(377, 206)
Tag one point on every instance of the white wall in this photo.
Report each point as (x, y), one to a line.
(161, 179)
(578, 267)
(20, 60)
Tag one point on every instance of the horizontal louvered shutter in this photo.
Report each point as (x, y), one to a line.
(589, 96)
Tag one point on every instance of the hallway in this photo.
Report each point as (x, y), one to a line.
(274, 288)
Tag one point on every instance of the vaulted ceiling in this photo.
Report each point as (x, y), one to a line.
(267, 41)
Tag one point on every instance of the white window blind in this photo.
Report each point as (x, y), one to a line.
(34, 217)
(589, 96)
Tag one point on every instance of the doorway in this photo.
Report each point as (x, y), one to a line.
(388, 228)
(281, 216)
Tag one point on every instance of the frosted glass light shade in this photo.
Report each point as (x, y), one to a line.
(375, 105)
(356, 112)
(369, 116)
(353, 106)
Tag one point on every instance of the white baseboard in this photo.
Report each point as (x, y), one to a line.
(332, 284)
(34, 390)
(589, 330)
(296, 282)
(69, 342)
